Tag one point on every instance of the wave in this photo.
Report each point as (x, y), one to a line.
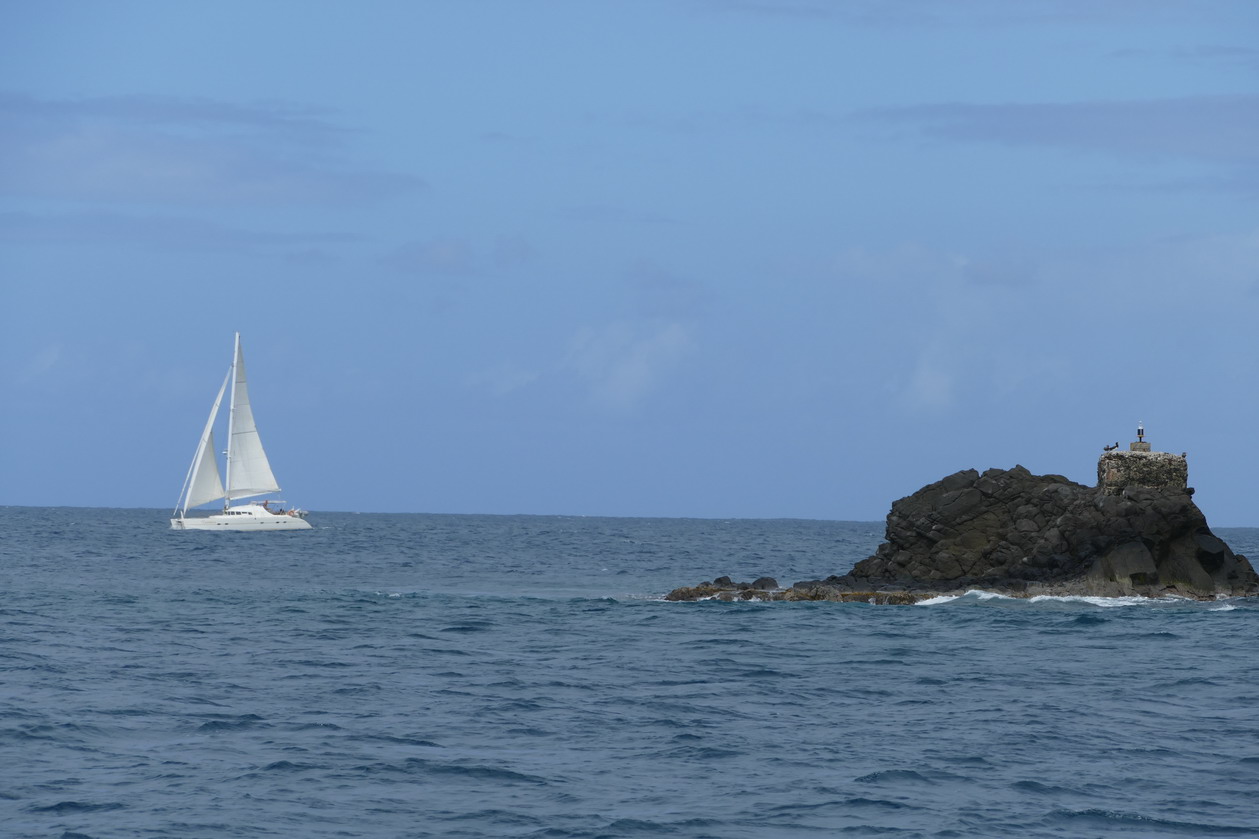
(1115, 820)
(981, 596)
(974, 595)
(1108, 602)
(226, 722)
(421, 766)
(65, 807)
(891, 775)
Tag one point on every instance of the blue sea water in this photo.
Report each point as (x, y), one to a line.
(473, 676)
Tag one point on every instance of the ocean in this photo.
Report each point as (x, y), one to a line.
(520, 676)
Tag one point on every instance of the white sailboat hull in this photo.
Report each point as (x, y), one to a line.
(244, 517)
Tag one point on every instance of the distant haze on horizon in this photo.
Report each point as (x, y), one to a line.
(709, 258)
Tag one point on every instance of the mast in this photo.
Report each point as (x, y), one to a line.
(231, 422)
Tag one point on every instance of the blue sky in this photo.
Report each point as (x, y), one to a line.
(691, 258)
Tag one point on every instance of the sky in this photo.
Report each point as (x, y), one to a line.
(709, 258)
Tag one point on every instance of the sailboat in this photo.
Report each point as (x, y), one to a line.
(248, 471)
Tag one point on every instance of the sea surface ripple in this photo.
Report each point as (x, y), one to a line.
(471, 676)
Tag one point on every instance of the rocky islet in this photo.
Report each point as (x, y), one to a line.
(1138, 532)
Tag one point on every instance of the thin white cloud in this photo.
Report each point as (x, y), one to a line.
(964, 306)
(988, 329)
(660, 293)
(504, 379)
(39, 364)
(180, 151)
(621, 363)
(915, 14)
(442, 256)
(296, 121)
(610, 214)
(932, 385)
(1198, 54)
(162, 232)
(513, 252)
(451, 256)
(1216, 129)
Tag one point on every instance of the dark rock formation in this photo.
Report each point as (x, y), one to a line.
(723, 589)
(1010, 529)
(833, 588)
(1017, 533)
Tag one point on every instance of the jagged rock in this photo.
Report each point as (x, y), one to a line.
(723, 588)
(1006, 530)
(1010, 529)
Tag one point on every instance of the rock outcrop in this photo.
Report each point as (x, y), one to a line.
(1013, 532)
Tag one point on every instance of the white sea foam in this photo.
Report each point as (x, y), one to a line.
(936, 601)
(1107, 602)
(989, 595)
(982, 596)
(1223, 607)
(973, 594)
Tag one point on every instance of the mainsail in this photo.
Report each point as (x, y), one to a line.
(248, 472)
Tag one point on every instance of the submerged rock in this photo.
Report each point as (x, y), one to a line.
(724, 590)
(1009, 531)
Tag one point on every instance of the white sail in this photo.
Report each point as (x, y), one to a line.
(203, 483)
(248, 471)
(206, 483)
